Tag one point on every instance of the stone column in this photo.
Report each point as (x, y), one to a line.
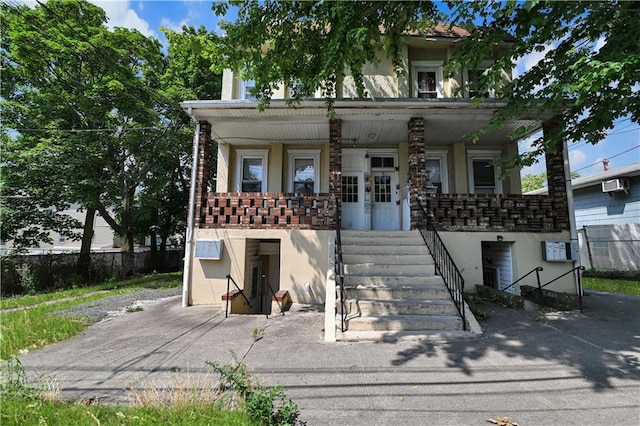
(335, 161)
(555, 174)
(417, 167)
(204, 154)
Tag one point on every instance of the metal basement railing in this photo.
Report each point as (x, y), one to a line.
(229, 281)
(445, 266)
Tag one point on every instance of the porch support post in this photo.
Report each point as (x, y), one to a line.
(335, 161)
(204, 153)
(555, 174)
(417, 167)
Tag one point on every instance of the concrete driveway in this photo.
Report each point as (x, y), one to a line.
(536, 368)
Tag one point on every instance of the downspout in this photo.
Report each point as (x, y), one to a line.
(573, 232)
(186, 276)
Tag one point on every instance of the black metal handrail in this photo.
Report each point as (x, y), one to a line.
(229, 281)
(339, 265)
(537, 270)
(445, 266)
(273, 293)
(577, 268)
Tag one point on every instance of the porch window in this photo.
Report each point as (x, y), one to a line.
(437, 174)
(349, 189)
(427, 79)
(252, 170)
(483, 177)
(303, 171)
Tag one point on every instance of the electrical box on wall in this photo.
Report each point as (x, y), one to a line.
(557, 251)
(208, 249)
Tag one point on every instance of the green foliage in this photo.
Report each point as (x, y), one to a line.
(480, 314)
(27, 280)
(14, 384)
(312, 44)
(265, 406)
(610, 285)
(588, 87)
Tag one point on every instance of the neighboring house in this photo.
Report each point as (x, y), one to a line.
(607, 211)
(103, 238)
(286, 177)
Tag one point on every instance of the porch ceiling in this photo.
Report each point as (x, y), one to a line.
(364, 122)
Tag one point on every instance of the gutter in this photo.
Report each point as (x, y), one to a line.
(186, 276)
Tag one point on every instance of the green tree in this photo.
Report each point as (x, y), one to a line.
(589, 72)
(311, 44)
(532, 182)
(78, 106)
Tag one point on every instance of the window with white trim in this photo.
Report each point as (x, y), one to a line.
(472, 78)
(484, 178)
(437, 173)
(251, 169)
(427, 79)
(304, 173)
(245, 90)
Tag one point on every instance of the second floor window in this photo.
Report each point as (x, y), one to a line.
(303, 171)
(246, 87)
(252, 170)
(473, 79)
(427, 79)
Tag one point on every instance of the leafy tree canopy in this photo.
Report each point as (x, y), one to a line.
(532, 182)
(589, 71)
(312, 43)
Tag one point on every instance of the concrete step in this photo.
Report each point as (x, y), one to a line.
(403, 335)
(396, 250)
(390, 280)
(432, 306)
(396, 292)
(385, 241)
(376, 270)
(348, 234)
(387, 259)
(405, 322)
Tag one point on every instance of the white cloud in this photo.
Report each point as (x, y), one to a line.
(174, 26)
(599, 44)
(121, 14)
(528, 61)
(577, 157)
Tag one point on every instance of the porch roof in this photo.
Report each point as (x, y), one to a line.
(365, 122)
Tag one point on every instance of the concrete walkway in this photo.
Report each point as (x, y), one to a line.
(552, 368)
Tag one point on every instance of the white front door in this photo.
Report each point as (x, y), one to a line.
(384, 201)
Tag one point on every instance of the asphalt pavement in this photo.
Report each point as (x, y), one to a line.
(537, 368)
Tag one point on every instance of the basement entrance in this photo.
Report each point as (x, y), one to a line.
(497, 264)
(263, 273)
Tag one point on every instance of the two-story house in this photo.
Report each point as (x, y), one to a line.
(290, 179)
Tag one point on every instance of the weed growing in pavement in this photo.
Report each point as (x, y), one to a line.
(239, 390)
(135, 308)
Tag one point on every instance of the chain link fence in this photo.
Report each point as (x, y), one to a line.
(610, 247)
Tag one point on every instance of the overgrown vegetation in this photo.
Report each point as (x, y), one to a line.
(236, 399)
(41, 322)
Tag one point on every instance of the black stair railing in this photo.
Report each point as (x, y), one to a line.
(577, 269)
(445, 266)
(273, 293)
(339, 267)
(229, 281)
(537, 270)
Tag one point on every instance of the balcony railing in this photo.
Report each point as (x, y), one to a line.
(481, 212)
(269, 211)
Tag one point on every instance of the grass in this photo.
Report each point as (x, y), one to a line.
(38, 411)
(40, 325)
(169, 280)
(609, 285)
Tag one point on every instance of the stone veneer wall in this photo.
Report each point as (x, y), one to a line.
(555, 171)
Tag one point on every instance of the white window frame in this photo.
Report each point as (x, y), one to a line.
(436, 66)
(242, 90)
(243, 154)
(442, 156)
(490, 155)
(313, 154)
(482, 66)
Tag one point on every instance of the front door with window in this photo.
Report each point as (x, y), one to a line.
(384, 193)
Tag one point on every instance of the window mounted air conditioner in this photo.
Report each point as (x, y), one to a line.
(615, 185)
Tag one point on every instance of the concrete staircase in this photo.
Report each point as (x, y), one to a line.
(391, 289)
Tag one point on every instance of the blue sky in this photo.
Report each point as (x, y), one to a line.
(149, 16)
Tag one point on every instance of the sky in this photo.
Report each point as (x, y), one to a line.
(620, 147)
